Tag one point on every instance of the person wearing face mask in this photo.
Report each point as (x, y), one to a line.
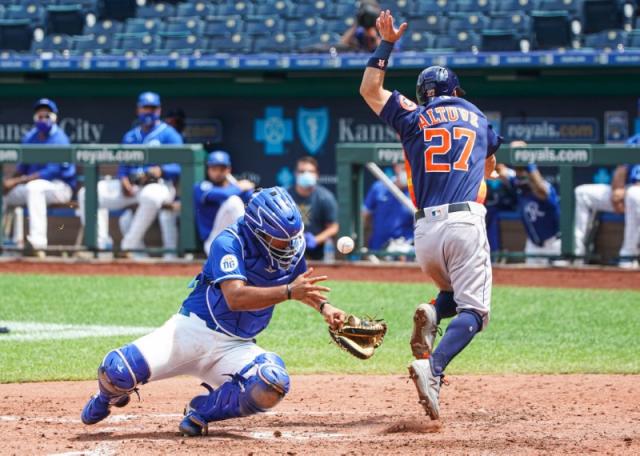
(150, 186)
(219, 199)
(389, 222)
(318, 206)
(38, 185)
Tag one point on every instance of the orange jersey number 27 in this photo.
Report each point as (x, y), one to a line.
(462, 164)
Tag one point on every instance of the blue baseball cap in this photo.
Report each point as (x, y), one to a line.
(46, 103)
(219, 158)
(149, 99)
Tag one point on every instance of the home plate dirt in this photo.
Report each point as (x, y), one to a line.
(336, 415)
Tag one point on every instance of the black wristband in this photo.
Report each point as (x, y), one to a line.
(288, 291)
(322, 305)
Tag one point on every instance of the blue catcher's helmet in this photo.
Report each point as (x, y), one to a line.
(436, 81)
(272, 215)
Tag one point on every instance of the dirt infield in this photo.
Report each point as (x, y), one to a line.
(587, 277)
(335, 415)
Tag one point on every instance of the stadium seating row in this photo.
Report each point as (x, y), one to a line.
(244, 26)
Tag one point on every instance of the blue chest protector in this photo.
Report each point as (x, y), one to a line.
(235, 256)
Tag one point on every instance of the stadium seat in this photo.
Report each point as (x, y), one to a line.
(195, 9)
(465, 41)
(142, 25)
(499, 41)
(423, 8)
(337, 25)
(156, 11)
(235, 8)
(551, 29)
(633, 39)
(106, 26)
(86, 5)
(67, 19)
(184, 25)
(178, 42)
(608, 40)
(31, 11)
(418, 41)
(472, 6)
(467, 21)
(304, 26)
(118, 10)
(52, 43)
(571, 6)
(280, 8)
(432, 24)
(515, 22)
(317, 43)
(222, 26)
(445, 42)
(236, 43)
(98, 43)
(280, 42)
(261, 26)
(511, 6)
(341, 10)
(16, 35)
(599, 15)
(134, 42)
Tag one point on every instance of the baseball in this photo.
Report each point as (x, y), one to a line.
(345, 245)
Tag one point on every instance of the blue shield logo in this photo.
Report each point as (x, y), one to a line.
(313, 127)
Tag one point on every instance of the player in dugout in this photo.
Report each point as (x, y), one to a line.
(219, 199)
(37, 185)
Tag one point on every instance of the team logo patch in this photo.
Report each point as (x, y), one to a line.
(229, 263)
(407, 104)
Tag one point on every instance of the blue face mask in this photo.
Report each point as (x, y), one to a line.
(44, 126)
(148, 118)
(306, 180)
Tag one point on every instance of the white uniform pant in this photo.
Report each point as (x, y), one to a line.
(597, 197)
(454, 250)
(186, 346)
(37, 195)
(552, 246)
(229, 212)
(149, 198)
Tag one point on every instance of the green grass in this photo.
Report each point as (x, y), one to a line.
(532, 330)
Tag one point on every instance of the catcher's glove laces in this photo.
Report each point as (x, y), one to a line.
(359, 336)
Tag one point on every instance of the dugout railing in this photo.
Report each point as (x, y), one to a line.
(91, 156)
(352, 158)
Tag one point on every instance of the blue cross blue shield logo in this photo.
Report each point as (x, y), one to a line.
(274, 130)
(313, 128)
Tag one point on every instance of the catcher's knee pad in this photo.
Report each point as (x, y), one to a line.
(122, 370)
(267, 386)
(258, 387)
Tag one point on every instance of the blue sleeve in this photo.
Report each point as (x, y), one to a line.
(246, 196)
(60, 138)
(219, 194)
(227, 259)
(51, 171)
(124, 171)
(493, 141)
(370, 200)
(172, 137)
(171, 171)
(401, 114)
(128, 138)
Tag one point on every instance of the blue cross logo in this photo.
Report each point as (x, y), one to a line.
(274, 130)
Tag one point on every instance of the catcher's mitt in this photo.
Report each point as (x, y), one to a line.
(360, 337)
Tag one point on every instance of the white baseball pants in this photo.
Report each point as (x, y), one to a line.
(37, 195)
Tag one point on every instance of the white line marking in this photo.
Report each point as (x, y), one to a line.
(25, 331)
(102, 449)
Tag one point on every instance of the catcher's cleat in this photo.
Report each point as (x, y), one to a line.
(193, 426)
(99, 407)
(425, 328)
(428, 386)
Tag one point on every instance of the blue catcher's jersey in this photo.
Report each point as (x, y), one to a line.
(207, 199)
(541, 218)
(446, 144)
(161, 134)
(235, 256)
